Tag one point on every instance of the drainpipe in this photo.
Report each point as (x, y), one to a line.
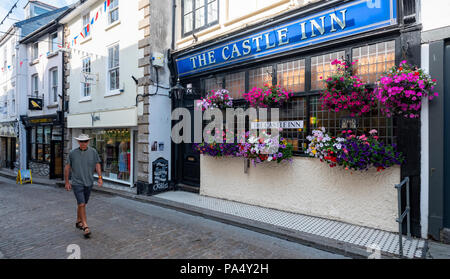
(63, 104)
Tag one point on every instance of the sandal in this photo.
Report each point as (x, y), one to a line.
(79, 225)
(86, 234)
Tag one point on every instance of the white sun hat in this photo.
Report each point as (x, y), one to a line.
(83, 137)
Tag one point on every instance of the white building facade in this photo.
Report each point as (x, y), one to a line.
(101, 92)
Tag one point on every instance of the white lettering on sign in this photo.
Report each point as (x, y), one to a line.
(283, 124)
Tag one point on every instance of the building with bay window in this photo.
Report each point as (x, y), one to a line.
(292, 44)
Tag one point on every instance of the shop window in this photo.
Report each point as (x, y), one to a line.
(260, 77)
(40, 144)
(33, 143)
(114, 149)
(235, 84)
(322, 69)
(374, 60)
(199, 14)
(293, 111)
(291, 75)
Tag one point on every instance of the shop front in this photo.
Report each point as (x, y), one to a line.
(115, 148)
(9, 149)
(296, 52)
(45, 145)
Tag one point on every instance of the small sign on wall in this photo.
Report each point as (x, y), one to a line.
(297, 124)
(35, 104)
(349, 123)
(89, 78)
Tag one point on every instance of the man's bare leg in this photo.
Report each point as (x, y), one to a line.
(82, 210)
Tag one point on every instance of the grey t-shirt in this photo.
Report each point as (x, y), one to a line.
(83, 165)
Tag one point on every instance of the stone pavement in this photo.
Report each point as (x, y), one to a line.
(37, 222)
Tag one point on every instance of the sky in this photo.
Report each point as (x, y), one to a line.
(18, 13)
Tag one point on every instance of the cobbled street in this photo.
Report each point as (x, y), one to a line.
(38, 222)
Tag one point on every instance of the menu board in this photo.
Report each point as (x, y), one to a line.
(160, 176)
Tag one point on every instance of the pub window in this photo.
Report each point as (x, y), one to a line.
(374, 60)
(333, 122)
(291, 75)
(40, 143)
(215, 83)
(260, 77)
(235, 84)
(322, 69)
(295, 110)
(199, 14)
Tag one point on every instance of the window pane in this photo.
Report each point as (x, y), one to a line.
(212, 11)
(260, 77)
(114, 16)
(40, 134)
(235, 84)
(187, 6)
(321, 68)
(188, 22)
(47, 134)
(293, 111)
(199, 17)
(33, 135)
(40, 152)
(374, 60)
(321, 117)
(199, 3)
(114, 4)
(291, 75)
(213, 84)
(33, 151)
(47, 156)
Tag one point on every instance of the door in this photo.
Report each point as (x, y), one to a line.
(447, 137)
(56, 163)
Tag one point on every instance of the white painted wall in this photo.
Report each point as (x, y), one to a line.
(103, 35)
(434, 14)
(309, 187)
(41, 67)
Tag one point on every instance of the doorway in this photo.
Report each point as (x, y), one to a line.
(446, 214)
(56, 163)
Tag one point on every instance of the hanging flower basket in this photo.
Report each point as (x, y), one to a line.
(345, 91)
(402, 89)
(267, 96)
(220, 99)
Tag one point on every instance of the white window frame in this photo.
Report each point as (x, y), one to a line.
(53, 47)
(84, 87)
(53, 88)
(110, 68)
(35, 51)
(35, 85)
(88, 14)
(112, 9)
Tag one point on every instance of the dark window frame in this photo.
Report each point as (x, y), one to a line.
(205, 26)
(36, 144)
(309, 94)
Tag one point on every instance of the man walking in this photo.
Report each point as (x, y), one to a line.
(82, 162)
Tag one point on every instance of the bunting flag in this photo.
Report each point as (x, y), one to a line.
(81, 33)
(92, 21)
(21, 63)
(104, 4)
(96, 16)
(86, 29)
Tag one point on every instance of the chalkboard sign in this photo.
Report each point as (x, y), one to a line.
(24, 176)
(160, 176)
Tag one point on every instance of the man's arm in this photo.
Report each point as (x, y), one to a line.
(66, 177)
(98, 168)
